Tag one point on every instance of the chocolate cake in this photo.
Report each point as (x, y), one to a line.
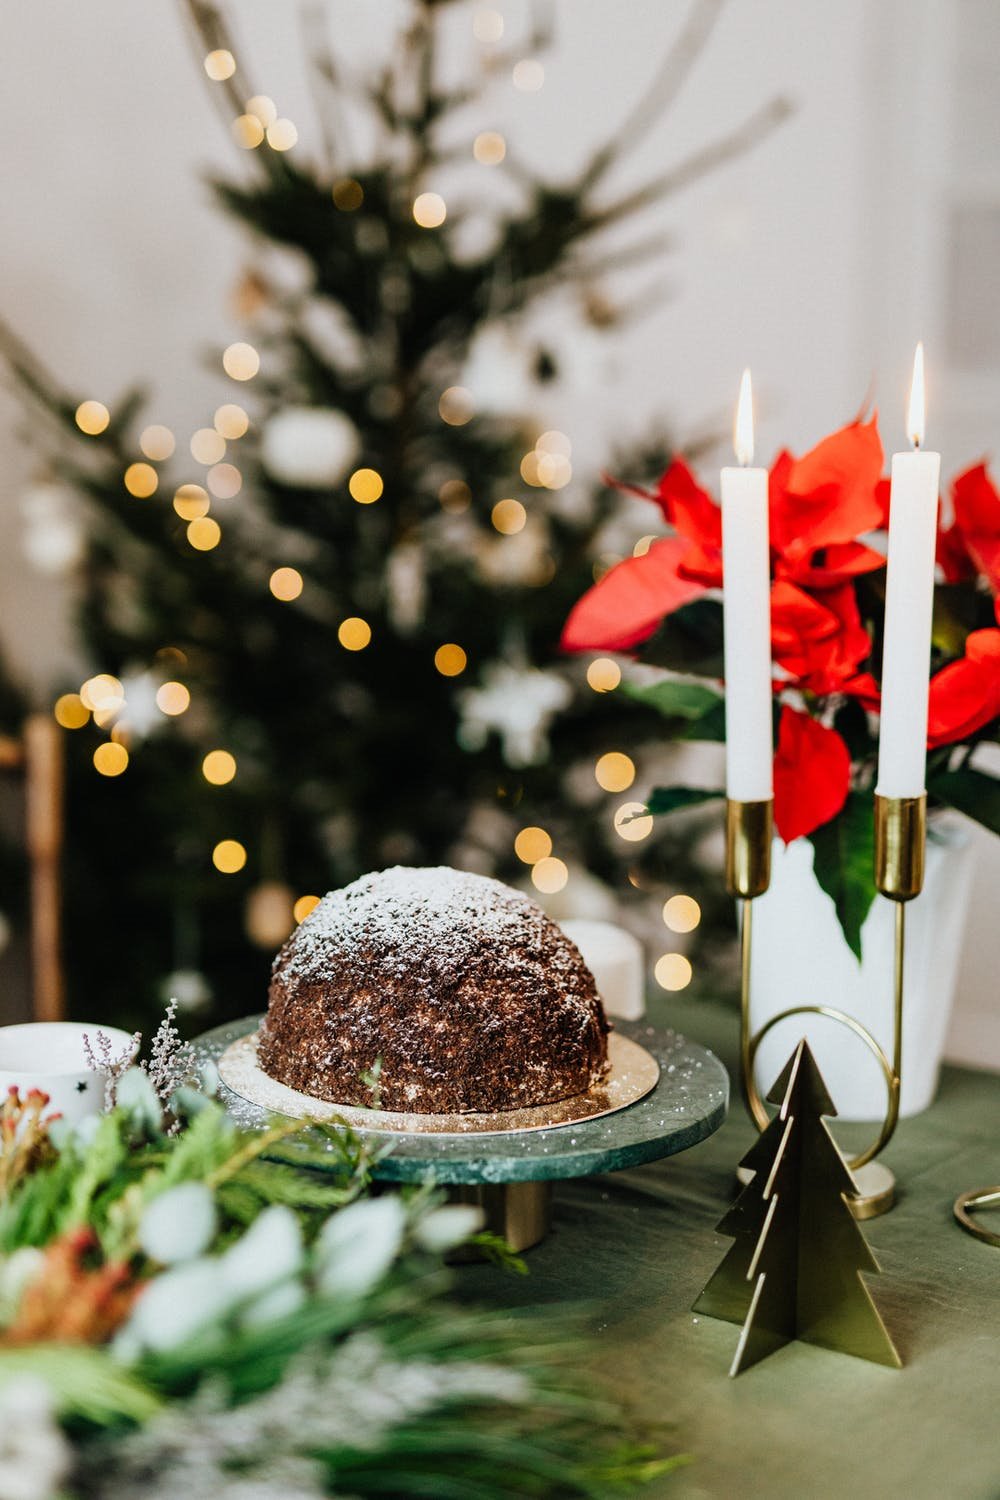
(464, 989)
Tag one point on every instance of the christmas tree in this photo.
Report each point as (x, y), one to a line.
(795, 1269)
(324, 633)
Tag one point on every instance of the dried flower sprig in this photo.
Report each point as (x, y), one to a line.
(172, 1062)
(101, 1059)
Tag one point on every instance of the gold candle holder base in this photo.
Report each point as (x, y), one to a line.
(900, 836)
(967, 1203)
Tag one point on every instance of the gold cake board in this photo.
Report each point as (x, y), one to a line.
(632, 1074)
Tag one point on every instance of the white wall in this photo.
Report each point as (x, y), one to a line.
(816, 260)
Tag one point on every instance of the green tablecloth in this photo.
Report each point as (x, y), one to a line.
(805, 1424)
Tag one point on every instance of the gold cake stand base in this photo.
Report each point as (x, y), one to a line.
(520, 1212)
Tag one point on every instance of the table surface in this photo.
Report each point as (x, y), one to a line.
(806, 1424)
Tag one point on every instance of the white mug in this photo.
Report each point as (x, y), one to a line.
(50, 1055)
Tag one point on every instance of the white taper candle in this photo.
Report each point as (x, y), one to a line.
(909, 607)
(746, 572)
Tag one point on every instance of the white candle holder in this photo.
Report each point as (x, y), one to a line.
(51, 1056)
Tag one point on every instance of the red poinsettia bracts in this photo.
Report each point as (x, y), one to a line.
(965, 695)
(818, 506)
(812, 774)
(971, 544)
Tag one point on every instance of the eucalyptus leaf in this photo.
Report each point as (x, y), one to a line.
(844, 864)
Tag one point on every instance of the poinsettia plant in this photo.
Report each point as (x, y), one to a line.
(828, 518)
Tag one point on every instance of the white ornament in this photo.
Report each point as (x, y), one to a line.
(269, 1253)
(309, 446)
(406, 586)
(53, 540)
(188, 987)
(140, 713)
(519, 704)
(497, 371)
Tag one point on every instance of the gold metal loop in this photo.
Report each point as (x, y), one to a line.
(892, 1083)
(976, 1198)
(891, 1069)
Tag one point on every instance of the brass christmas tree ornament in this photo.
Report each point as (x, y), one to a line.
(795, 1269)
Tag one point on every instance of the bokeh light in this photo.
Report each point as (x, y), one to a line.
(528, 75)
(110, 759)
(673, 971)
(456, 406)
(102, 694)
(70, 711)
(204, 534)
(220, 65)
(224, 480)
(157, 442)
(229, 856)
(219, 767)
(632, 822)
(450, 659)
(282, 135)
(614, 772)
(191, 501)
(303, 906)
(241, 361)
(207, 445)
(248, 132)
(642, 546)
(348, 195)
(603, 674)
(230, 420)
(92, 417)
(263, 108)
(681, 913)
(554, 442)
(549, 875)
(455, 496)
(285, 584)
(489, 148)
(141, 480)
(172, 698)
(354, 633)
(365, 486)
(429, 210)
(509, 516)
(532, 844)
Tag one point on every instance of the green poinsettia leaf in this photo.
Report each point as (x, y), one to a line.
(970, 792)
(672, 699)
(668, 799)
(693, 712)
(844, 864)
(689, 640)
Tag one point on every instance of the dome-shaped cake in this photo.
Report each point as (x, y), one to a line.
(470, 996)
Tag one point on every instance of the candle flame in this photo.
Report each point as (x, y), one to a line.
(743, 428)
(915, 410)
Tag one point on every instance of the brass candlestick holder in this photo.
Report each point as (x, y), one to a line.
(900, 838)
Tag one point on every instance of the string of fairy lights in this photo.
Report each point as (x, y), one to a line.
(102, 698)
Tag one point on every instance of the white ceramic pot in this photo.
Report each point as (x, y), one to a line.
(49, 1055)
(800, 957)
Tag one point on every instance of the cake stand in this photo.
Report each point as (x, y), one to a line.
(509, 1174)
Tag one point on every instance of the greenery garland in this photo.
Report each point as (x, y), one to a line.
(190, 1309)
